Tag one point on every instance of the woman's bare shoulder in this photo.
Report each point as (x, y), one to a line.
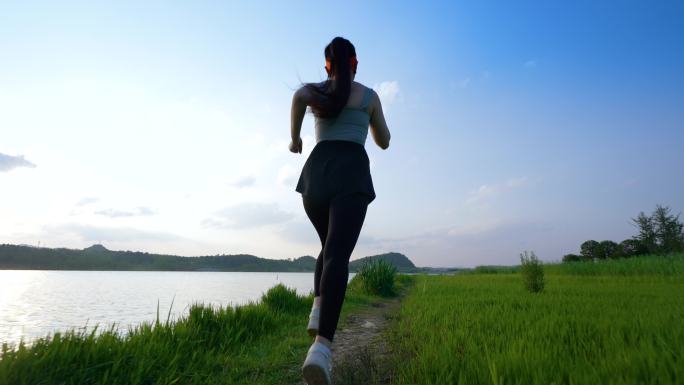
(359, 85)
(315, 84)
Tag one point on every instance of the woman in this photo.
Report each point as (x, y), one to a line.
(336, 186)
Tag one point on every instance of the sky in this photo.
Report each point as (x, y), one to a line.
(163, 126)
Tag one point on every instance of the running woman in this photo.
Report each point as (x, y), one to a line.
(336, 186)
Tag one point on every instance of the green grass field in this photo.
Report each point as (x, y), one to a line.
(261, 343)
(615, 322)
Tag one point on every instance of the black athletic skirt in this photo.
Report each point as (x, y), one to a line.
(336, 167)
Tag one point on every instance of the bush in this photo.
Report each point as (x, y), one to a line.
(532, 272)
(284, 300)
(571, 258)
(377, 277)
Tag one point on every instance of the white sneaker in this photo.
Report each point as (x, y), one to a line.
(312, 327)
(317, 367)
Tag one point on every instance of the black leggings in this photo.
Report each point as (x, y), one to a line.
(338, 223)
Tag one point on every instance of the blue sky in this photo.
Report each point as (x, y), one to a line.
(163, 126)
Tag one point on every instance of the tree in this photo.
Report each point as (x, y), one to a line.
(589, 250)
(660, 233)
(609, 249)
(571, 258)
(668, 230)
(631, 248)
(647, 233)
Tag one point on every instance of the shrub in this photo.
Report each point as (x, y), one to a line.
(532, 272)
(377, 277)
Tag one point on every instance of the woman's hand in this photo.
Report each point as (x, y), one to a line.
(296, 146)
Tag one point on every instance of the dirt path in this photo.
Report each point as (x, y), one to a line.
(358, 348)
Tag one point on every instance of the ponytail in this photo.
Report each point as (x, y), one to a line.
(329, 99)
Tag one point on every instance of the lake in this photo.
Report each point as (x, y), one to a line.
(34, 303)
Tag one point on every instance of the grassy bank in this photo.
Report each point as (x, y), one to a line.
(260, 343)
(615, 322)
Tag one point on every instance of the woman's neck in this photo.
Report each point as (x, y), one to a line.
(353, 75)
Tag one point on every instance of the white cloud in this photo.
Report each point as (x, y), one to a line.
(388, 91)
(482, 193)
(86, 201)
(248, 215)
(488, 191)
(246, 181)
(9, 162)
(530, 64)
(287, 176)
(136, 212)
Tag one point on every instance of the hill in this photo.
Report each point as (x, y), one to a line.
(98, 257)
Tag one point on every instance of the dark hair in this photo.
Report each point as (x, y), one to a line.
(330, 98)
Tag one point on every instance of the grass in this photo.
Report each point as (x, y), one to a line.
(377, 277)
(615, 322)
(532, 272)
(491, 269)
(264, 343)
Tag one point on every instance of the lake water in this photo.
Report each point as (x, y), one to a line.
(34, 303)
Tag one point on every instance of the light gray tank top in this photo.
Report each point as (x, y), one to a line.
(351, 124)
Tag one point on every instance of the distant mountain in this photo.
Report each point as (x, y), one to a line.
(306, 261)
(95, 248)
(98, 257)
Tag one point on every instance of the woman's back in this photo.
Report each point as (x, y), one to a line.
(352, 122)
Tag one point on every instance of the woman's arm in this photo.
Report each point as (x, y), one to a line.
(379, 130)
(296, 117)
